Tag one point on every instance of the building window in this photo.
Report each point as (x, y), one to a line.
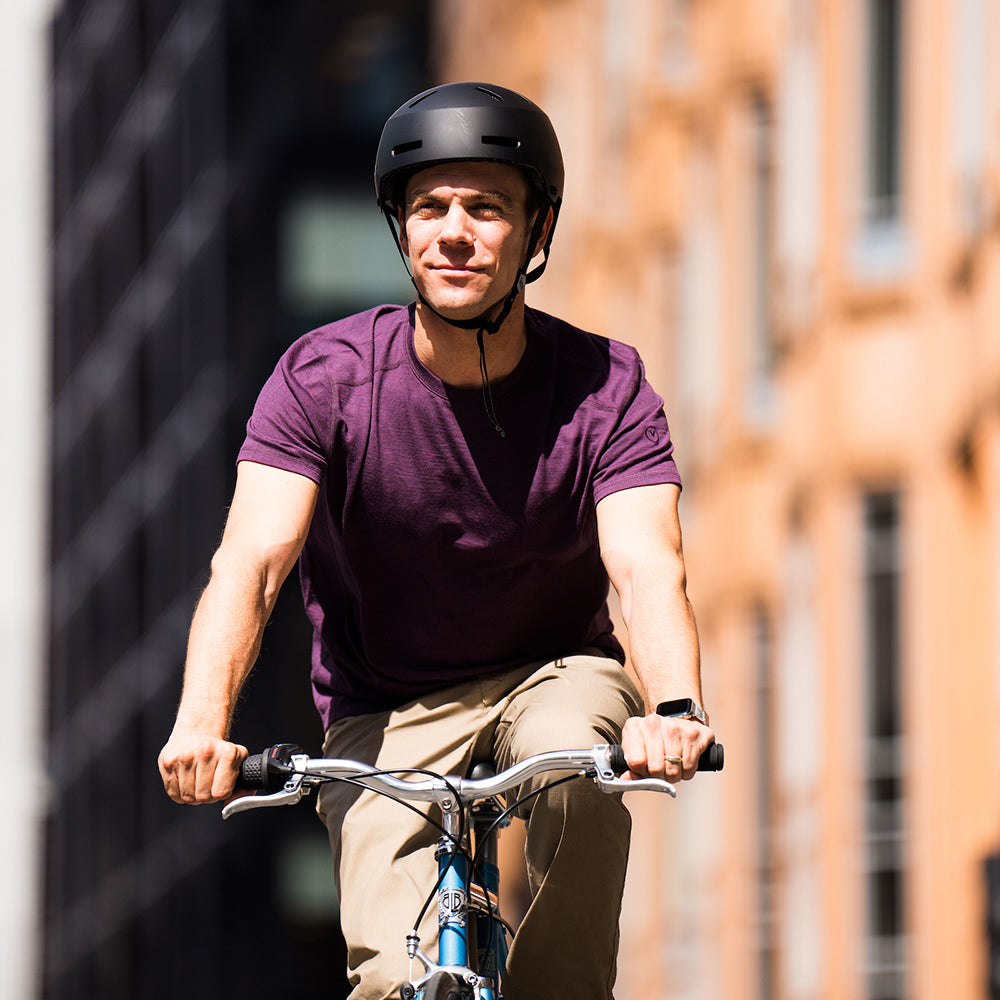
(882, 167)
(763, 656)
(883, 252)
(801, 910)
(676, 54)
(618, 53)
(798, 156)
(970, 116)
(991, 872)
(698, 387)
(761, 246)
(884, 805)
(336, 257)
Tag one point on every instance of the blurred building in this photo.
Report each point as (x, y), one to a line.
(792, 207)
(24, 443)
(211, 200)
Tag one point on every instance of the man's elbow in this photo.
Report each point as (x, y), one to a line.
(259, 575)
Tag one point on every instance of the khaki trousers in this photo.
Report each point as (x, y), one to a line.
(577, 837)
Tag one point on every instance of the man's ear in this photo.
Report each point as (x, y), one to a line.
(403, 242)
(546, 229)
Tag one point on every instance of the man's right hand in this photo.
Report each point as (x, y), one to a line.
(198, 769)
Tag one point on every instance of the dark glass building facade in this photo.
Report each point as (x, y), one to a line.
(211, 199)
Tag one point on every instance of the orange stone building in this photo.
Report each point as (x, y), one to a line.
(792, 208)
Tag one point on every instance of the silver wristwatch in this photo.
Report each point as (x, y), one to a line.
(682, 708)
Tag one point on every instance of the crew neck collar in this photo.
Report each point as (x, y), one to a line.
(504, 387)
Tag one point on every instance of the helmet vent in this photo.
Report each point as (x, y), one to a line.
(407, 147)
(490, 93)
(502, 140)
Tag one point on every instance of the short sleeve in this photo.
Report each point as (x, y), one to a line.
(291, 427)
(638, 450)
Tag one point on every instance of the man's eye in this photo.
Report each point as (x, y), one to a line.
(423, 208)
(488, 208)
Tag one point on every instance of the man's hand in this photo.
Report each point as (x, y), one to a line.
(650, 741)
(197, 769)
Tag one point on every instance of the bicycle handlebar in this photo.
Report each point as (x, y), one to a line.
(268, 771)
(288, 773)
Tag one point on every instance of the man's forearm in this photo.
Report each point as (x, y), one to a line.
(223, 645)
(663, 642)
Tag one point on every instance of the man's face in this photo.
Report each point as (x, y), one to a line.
(465, 227)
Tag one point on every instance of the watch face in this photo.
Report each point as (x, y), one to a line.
(678, 707)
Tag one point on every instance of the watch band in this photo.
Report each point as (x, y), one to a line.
(682, 708)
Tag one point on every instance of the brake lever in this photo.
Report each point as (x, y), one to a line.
(635, 785)
(293, 792)
(608, 781)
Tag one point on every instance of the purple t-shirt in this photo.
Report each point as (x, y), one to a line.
(439, 551)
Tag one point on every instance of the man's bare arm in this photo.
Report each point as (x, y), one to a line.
(640, 538)
(265, 531)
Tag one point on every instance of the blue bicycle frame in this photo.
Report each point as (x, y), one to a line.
(468, 907)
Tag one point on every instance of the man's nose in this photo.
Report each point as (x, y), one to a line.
(455, 226)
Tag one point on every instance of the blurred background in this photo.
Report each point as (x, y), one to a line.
(791, 207)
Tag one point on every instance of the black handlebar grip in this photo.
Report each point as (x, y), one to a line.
(711, 760)
(617, 757)
(251, 772)
(268, 771)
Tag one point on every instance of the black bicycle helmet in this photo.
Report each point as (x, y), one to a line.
(467, 121)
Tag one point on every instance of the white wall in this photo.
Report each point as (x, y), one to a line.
(24, 350)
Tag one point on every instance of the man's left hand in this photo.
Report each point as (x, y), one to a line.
(658, 747)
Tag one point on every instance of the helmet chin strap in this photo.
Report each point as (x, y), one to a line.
(482, 324)
(482, 321)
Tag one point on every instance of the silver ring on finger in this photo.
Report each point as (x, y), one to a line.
(674, 760)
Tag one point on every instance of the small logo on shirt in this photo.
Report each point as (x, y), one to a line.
(652, 435)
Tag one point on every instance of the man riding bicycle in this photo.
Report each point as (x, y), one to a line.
(458, 480)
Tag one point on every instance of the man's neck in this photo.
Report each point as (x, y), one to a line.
(452, 354)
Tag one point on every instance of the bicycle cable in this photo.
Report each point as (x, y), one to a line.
(391, 773)
(474, 859)
(493, 913)
(456, 838)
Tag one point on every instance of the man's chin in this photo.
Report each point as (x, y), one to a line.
(460, 312)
